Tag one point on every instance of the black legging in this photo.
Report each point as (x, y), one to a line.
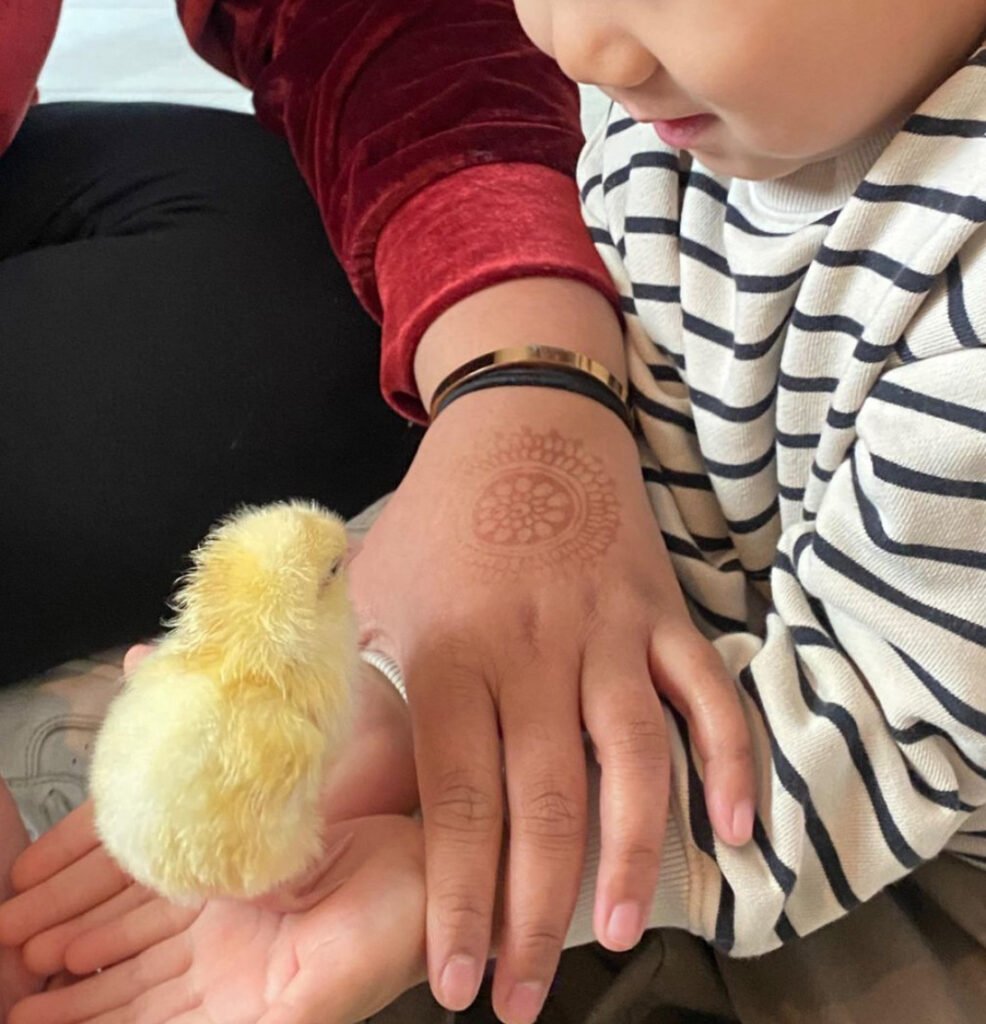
(176, 338)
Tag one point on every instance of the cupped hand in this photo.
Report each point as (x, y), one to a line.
(16, 980)
(520, 578)
(66, 883)
(354, 950)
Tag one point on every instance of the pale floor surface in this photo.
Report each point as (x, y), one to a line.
(135, 50)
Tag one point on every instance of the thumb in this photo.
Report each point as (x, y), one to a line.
(135, 656)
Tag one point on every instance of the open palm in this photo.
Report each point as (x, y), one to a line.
(355, 950)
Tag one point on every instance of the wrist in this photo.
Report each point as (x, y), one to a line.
(557, 312)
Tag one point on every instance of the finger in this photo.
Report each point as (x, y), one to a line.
(626, 722)
(118, 940)
(163, 1004)
(45, 953)
(693, 678)
(110, 990)
(81, 886)
(546, 787)
(135, 656)
(73, 837)
(458, 760)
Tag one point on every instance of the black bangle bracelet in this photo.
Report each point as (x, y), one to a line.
(562, 378)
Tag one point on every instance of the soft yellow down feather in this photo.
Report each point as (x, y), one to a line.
(207, 771)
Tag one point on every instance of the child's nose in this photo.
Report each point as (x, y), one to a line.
(600, 53)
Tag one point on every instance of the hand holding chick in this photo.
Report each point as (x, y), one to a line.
(207, 772)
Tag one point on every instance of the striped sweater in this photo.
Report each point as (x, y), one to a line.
(809, 373)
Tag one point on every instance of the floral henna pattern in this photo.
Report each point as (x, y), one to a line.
(539, 502)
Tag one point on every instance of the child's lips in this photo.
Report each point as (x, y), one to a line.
(682, 131)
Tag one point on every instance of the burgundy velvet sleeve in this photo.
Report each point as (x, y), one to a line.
(385, 101)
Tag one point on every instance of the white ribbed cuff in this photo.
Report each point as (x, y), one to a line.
(387, 667)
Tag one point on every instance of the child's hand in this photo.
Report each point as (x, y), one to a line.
(354, 951)
(16, 981)
(520, 578)
(67, 883)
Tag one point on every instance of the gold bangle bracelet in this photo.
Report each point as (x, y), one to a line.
(528, 355)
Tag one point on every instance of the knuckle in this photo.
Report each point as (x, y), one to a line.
(539, 941)
(640, 741)
(638, 854)
(457, 909)
(463, 805)
(549, 813)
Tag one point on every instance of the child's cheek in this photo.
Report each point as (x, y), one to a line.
(535, 19)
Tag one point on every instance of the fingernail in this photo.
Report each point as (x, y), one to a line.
(459, 982)
(742, 822)
(625, 926)
(524, 1002)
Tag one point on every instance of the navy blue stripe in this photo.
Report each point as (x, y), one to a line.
(711, 544)
(958, 315)
(975, 835)
(808, 636)
(677, 478)
(832, 324)
(791, 493)
(650, 226)
(840, 421)
(600, 236)
(784, 930)
(960, 128)
(921, 731)
(683, 547)
(704, 255)
(804, 541)
(815, 828)
(929, 405)
(740, 470)
(972, 718)
(731, 413)
(904, 350)
(823, 385)
(628, 306)
(724, 623)
(947, 798)
(846, 724)
(616, 127)
(893, 270)
(798, 440)
(912, 479)
(647, 158)
(745, 350)
(590, 183)
(866, 352)
(783, 875)
(664, 373)
(754, 523)
(768, 284)
(852, 570)
(970, 208)
(701, 830)
(875, 531)
(668, 293)
(711, 187)
(659, 411)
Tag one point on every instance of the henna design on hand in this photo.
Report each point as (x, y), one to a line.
(539, 502)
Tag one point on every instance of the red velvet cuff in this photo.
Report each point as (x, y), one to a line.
(471, 230)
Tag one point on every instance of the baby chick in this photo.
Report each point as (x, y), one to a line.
(207, 771)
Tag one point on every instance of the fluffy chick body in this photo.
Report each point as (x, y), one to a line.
(207, 772)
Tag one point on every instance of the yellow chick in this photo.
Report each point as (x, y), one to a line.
(207, 771)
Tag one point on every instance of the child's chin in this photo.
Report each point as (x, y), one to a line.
(749, 166)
